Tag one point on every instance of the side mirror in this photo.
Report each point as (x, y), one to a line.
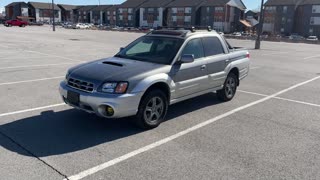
(122, 48)
(187, 58)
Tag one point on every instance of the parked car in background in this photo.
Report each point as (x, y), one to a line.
(35, 24)
(238, 34)
(312, 38)
(16, 22)
(81, 26)
(296, 37)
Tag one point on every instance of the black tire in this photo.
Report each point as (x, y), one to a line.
(150, 116)
(229, 88)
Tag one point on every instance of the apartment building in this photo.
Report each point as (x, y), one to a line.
(98, 14)
(17, 9)
(184, 12)
(292, 16)
(111, 15)
(307, 18)
(152, 13)
(84, 14)
(223, 15)
(67, 12)
(42, 12)
(128, 13)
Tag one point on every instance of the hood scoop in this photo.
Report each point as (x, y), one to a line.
(112, 63)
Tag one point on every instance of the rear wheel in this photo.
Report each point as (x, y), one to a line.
(152, 110)
(229, 88)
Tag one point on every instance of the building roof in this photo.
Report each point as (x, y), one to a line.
(310, 2)
(101, 8)
(281, 2)
(87, 7)
(15, 3)
(216, 2)
(113, 7)
(185, 3)
(156, 3)
(38, 5)
(67, 7)
(132, 3)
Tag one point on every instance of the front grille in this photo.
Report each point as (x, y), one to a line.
(80, 85)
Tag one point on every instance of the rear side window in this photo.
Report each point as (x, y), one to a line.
(212, 46)
(195, 48)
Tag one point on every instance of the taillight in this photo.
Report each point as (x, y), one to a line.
(248, 55)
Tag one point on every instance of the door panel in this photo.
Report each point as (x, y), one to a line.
(191, 77)
(217, 61)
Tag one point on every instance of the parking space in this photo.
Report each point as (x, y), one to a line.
(269, 131)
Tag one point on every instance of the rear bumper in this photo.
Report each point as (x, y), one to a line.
(123, 105)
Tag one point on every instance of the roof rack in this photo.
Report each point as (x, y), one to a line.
(192, 28)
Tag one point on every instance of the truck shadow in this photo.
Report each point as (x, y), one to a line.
(54, 133)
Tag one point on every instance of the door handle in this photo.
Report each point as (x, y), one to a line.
(203, 67)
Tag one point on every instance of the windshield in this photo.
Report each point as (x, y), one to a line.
(160, 50)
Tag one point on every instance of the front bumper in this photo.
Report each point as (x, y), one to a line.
(123, 104)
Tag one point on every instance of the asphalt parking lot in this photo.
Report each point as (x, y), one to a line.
(271, 130)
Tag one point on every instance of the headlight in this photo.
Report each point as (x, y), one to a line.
(66, 78)
(115, 87)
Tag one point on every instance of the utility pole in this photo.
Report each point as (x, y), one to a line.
(259, 31)
(53, 16)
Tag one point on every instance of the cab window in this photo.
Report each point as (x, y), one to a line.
(212, 46)
(195, 48)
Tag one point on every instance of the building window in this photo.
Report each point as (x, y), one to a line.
(312, 21)
(187, 19)
(130, 10)
(283, 20)
(108, 12)
(218, 9)
(130, 17)
(120, 17)
(316, 9)
(188, 10)
(120, 10)
(311, 31)
(174, 18)
(218, 19)
(285, 9)
(271, 9)
(289, 20)
(180, 10)
(174, 10)
(150, 10)
(208, 10)
(84, 12)
(282, 30)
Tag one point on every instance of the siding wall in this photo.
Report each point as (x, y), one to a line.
(151, 17)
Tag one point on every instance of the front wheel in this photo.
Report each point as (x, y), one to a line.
(229, 88)
(152, 110)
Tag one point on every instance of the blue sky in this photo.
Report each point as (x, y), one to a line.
(251, 4)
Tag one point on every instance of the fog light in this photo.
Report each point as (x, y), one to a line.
(109, 111)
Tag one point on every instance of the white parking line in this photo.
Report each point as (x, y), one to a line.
(30, 110)
(43, 65)
(276, 53)
(33, 80)
(311, 57)
(182, 133)
(252, 68)
(284, 99)
(36, 52)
